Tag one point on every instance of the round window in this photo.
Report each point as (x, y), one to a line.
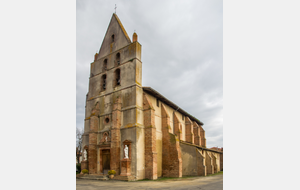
(106, 120)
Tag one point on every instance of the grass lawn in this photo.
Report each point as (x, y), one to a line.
(220, 172)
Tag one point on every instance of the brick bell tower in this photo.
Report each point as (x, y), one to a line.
(114, 105)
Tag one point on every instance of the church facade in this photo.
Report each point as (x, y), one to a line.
(135, 130)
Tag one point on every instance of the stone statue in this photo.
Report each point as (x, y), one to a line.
(106, 138)
(84, 155)
(126, 151)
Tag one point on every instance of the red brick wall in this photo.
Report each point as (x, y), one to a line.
(171, 155)
(84, 165)
(177, 127)
(197, 139)
(189, 136)
(202, 135)
(150, 140)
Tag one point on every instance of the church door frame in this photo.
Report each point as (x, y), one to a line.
(101, 159)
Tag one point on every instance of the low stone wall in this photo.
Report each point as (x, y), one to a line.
(189, 160)
(199, 161)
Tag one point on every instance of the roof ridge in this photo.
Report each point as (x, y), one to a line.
(167, 101)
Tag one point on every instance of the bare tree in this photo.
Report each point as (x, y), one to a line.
(79, 134)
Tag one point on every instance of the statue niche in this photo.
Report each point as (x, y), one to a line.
(84, 155)
(105, 138)
(127, 150)
(126, 161)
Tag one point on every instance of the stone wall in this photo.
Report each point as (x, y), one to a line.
(189, 160)
(193, 160)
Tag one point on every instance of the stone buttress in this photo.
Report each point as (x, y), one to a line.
(171, 155)
(189, 135)
(150, 139)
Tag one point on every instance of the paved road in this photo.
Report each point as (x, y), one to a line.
(202, 183)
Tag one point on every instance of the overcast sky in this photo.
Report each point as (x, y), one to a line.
(182, 52)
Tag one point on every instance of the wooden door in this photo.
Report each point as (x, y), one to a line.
(106, 161)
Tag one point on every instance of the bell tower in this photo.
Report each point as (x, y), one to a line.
(115, 92)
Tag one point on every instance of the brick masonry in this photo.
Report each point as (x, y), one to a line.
(189, 135)
(150, 140)
(84, 165)
(171, 155)
(177, 127)
(202, 135)
(197, 138)
(125, 167)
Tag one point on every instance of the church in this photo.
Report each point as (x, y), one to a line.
(134, 129)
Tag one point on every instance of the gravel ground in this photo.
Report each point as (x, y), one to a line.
(203, 183)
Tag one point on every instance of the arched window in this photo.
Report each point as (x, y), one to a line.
(104, 65)
(103, 82)
(118, 59)
(117, 80)
(112, 38)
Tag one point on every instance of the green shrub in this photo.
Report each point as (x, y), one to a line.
(111, 172)
(85, 171)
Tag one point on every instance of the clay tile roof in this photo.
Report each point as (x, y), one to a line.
(216, 148)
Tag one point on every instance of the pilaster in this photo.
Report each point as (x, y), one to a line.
(116, 137)
(92, 149)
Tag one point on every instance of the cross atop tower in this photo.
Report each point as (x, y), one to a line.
(115, 8)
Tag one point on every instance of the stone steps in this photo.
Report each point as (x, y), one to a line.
(104, 177)
(92, 177)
